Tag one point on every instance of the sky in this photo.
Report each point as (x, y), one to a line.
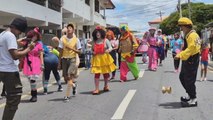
(137, 13)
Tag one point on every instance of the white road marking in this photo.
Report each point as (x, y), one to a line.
(141, 73)
(118, 115)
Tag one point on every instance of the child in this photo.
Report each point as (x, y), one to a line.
(176, 45)
(204, 60)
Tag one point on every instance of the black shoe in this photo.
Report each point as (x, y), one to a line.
(60, 89)
(33, 99)
(3, 94)
(184, 99)
(34, 96)
(190, 103)
(45, 91)
(74, 89)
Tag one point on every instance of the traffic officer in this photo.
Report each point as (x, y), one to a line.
(190, 61)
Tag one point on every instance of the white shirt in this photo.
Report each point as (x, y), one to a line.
(7, 42)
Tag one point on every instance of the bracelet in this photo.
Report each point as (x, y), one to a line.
(42, 66)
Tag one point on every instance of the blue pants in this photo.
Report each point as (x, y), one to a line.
(88, 56)
(51, 64)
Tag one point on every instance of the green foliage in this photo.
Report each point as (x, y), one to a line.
(202, 14)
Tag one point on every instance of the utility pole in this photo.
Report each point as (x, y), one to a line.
(190, 14)
(180, 8)
(160, 14)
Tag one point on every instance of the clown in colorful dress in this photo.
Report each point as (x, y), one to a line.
(127, 47)
(153, 50)
(102, 62)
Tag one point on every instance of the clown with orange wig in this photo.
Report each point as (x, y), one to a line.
(114, 43)
(127, 47)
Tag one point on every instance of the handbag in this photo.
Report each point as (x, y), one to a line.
(143, 48)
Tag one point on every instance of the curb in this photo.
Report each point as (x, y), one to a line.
(210, 67)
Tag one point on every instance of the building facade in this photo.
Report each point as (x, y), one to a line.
(53, 15)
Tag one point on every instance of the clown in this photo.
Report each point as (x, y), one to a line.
(152, 51)
(127, 47)
(114, 43)
(102, 62)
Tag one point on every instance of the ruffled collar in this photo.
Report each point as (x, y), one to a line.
(125, 36)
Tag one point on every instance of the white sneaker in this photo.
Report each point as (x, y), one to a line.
(66, 99)
(205, 79)
(190, 103)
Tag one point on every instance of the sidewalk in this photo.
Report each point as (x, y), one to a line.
(210, 65)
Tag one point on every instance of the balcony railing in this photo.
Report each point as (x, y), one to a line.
(55, 5)
(39, 2)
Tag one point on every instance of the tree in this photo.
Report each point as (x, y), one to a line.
(202, 14)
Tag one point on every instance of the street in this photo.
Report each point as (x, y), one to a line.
(140, 99)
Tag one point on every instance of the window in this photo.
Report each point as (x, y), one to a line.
(40, 2)
(97, 6)
(87, 2)
(55, 5)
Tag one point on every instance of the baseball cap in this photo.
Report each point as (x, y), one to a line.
(70, 25)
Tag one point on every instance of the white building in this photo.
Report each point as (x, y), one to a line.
(85, 14)
(38, 13)
(156, 23)
(54, 14)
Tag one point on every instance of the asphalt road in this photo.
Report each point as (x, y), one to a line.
(140, 99)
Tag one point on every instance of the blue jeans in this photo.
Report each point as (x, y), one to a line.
(51, 64)
(88, 56)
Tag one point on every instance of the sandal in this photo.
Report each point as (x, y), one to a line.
(106, 88)
(95, 92)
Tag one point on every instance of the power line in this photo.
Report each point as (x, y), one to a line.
(144, 12)
(189, 9)
(138, 9)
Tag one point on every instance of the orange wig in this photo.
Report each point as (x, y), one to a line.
(110, 33)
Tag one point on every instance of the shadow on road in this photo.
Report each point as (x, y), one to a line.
(171, 105)
(115, 81)
(124, 81)
(62, 83)
(25, 101)
(143, 63)
(41, 93)
(90, 92)
(169, 71)
(210, 80)
(57, 99)
(86, 93)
